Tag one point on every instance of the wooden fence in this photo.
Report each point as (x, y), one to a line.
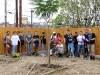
(62, 31)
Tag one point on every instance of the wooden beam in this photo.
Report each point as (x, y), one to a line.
(31, 69)
(20, 13)
(16, 3)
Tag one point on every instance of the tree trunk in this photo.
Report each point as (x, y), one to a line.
(48, 45)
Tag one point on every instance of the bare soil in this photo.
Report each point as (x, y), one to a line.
(75, 66)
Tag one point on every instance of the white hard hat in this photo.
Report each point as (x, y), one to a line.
(54, 32)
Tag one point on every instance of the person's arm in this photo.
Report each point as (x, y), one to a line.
(41, 37)
(23, 36)
(73, 40)
(26, 38)
(57, 46)
(57, 41)
(83, 38)
(94, 37)
(19, 39)
(61, 39)
(11, 39)
(31, 38)
(64, 38)
(51, 37)
(77, 39)
(38, 38)
(86, 38)
(4, 37)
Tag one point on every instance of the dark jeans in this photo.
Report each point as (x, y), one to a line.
(76, 49)
(67, 49)
(79, 47)
(86, 50)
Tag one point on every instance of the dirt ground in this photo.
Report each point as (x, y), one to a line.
(75, 66)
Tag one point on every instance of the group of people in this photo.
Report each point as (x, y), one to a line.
(75, 44)
(18, 39)
(78, 42)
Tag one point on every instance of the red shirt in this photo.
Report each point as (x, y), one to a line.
(58, 39)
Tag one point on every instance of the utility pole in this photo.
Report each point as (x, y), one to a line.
(31, 18)
(5, 5)
(16, 3)
(20, 13)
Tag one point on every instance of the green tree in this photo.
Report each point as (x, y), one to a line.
(45, 9)
(80, 12)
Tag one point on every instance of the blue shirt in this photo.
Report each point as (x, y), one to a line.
(29, 37)
(21, 37)
(86, 36)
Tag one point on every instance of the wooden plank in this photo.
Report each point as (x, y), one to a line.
(31, 69)
(62, 31)
(1, 41)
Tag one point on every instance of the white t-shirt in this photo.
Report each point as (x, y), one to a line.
(53, 37)
(60, 47)
(81, 39)
(15, 39)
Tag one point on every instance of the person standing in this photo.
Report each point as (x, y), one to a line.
(53, 42)
(43, 43)
(14, 42)
(58, 38)
(71, 46)
(7, 42)
(80, 40)
(36, 43)
(66, 38)
(91, 45)
(28, 43)
(21, 37)
(53, 36)
(86, 43)
(52, 47)
(75, 43)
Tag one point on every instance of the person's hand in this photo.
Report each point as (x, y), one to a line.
(37, 39)
(28, 41)
(91, 39)
(44, 37)
(64, 42)
(88, 50)
(81, 41)
(57, 46)
(87, 40)
(10, 44)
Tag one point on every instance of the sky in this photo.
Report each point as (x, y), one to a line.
(26, 8)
